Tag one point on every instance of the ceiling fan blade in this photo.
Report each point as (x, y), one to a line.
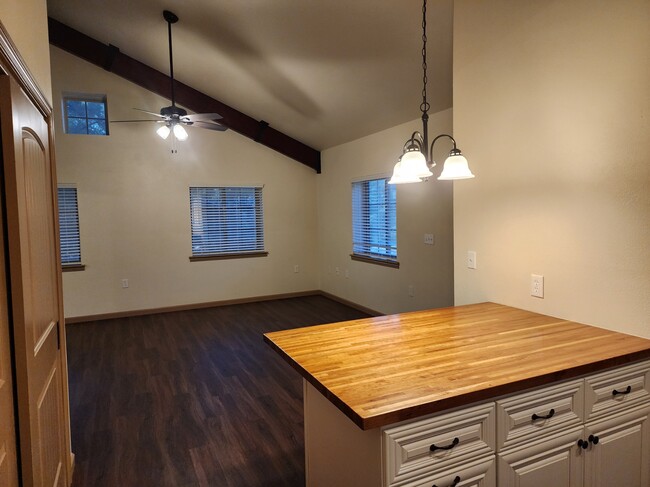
(198, 117)
(150, 113)
(128, 121)
(208, 125)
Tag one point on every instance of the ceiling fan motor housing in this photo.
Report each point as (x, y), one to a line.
(173, 112)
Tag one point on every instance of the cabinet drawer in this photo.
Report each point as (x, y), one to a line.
(527, 416)
(478, 473)
(421, 448)
(616, 390)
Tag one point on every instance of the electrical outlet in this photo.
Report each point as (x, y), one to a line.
(471, 259)
(411, 290)
(537, 285)
(125, 283)
(296, 269)
(337, 270)
(428, 238)
(347, 274)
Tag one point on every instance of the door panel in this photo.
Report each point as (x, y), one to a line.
(8, 462)
(33, 267)
(619, 457)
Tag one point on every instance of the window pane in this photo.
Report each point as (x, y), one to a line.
(96, 109)
(97, 127)
(77, 126)
(76, 108)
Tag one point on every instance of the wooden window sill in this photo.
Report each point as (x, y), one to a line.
(372, 260)
(238, 255)
(72, 267)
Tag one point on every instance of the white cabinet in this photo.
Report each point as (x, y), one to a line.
(608, 443)
(618, 428)
(587, 432)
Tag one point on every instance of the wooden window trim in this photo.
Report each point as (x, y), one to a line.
(73, 267)
(234, 255)
(373, 260)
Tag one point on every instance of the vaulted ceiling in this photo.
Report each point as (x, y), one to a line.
(322, 71)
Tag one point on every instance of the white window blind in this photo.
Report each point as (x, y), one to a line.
(374, 222)
(226, 220)
(69, 225)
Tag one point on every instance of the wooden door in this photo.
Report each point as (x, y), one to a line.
(33, 268)
(8, 462)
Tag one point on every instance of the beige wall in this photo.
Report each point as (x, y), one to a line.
(421, 208)
(134, 207)
(26, 22)
(552, 104)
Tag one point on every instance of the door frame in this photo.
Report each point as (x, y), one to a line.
(13, 65)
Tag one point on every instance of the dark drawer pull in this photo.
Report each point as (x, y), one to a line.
(627, 390)
(434, 447)
(583, 444)
(550, 414)
(456, 482)
(594, 439)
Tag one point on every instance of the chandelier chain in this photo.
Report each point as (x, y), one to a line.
(424, 107)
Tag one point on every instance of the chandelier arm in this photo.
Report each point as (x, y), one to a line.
(453, 151)
(415, 141)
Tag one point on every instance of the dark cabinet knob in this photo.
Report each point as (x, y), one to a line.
(594, 439)
(435, 447)
(550, 414)
(454, 484)
(583, 444)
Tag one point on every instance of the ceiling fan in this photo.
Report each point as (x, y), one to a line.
(172, 117)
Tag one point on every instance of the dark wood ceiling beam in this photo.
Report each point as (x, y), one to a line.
(113, 60)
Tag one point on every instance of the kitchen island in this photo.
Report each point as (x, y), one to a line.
(467, 395)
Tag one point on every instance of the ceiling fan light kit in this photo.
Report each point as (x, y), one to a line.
(175, 118)
(415, 163)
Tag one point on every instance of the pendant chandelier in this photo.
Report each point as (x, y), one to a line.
(415, 163)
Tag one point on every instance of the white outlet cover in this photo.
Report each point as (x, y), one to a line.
(537, 285)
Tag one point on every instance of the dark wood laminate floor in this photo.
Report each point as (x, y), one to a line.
(192, 398)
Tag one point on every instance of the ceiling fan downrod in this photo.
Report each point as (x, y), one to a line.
(171, 18)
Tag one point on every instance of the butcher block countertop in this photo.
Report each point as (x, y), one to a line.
(387, 369)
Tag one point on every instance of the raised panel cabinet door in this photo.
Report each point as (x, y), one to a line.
(619, 452)
(553, 461)
(30, 208)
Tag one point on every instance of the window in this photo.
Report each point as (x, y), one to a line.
(85, 114)
(226, 222)
(374, 222)
(69, 228)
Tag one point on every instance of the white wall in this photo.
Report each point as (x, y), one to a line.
(26, 22)
(552, 101)
(421, 208)
(134, 206)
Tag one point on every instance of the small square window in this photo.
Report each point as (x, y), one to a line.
(85, 114)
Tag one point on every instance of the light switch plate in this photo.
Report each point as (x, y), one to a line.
(471, 259)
